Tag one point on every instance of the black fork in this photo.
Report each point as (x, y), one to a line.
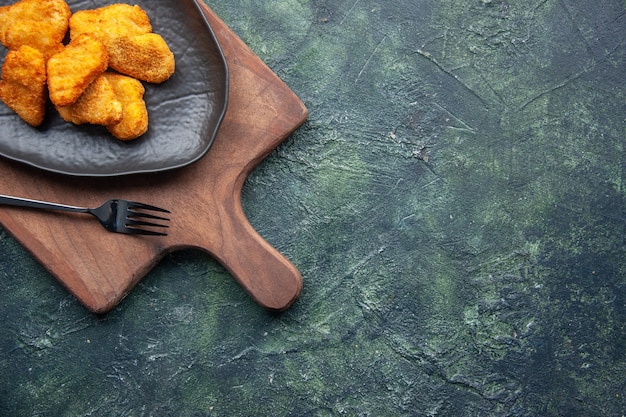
(120, 216)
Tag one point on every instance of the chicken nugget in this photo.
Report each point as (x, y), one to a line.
(32, 33)
(71, 71)
(41, 24)
(145, 57)
(23, 84)
(130, 93)
(98, 105)
(110, 22)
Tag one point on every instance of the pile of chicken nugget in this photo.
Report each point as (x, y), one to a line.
(95, 78)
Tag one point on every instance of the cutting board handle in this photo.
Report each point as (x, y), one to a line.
(270, 278)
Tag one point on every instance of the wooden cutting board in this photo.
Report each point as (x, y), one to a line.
(101, 268)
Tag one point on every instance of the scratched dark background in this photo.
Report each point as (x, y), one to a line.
(455, 203)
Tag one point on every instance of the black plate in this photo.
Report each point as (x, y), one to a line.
(185, 111)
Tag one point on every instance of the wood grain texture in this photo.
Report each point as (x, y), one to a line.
(101, 268)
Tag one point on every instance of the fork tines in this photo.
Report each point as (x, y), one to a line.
(138, 211)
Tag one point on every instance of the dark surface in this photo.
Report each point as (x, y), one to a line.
(199, 83)
(455, 204)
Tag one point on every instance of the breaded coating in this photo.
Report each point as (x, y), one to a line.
(127, 34)
(32, 33)
(23, 84)
(41, 24)
(71, 71)
(130, 93)
(98, 105)
(145, 57)
(110, 22)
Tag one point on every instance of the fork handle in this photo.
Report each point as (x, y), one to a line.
(7, 200)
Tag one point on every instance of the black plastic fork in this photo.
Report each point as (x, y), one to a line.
(120, 216)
